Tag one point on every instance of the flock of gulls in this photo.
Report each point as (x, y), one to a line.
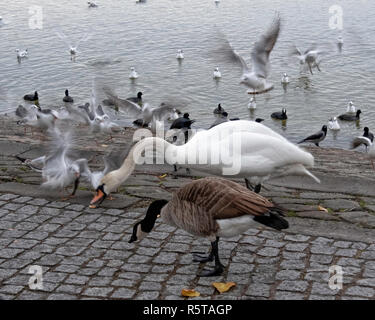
(211, 207)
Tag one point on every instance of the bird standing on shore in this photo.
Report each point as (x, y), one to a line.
(212, 208)
(317, 137)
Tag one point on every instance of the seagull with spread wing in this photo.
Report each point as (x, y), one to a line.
(147, 113)
(57, 167)
(256, 77)
(310, 57)
(73, 49)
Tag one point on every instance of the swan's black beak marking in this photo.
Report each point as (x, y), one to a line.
(99, 197)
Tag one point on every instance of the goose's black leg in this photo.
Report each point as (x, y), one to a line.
(257, 188)
(248, 184)
(219, 268)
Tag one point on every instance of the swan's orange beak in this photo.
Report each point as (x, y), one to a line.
(100, 195)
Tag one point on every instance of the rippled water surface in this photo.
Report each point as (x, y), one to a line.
(147, 36)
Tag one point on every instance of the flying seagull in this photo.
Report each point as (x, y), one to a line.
(256, 77)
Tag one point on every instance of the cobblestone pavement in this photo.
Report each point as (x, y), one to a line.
(84, 254)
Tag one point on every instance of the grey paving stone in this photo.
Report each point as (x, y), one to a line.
(370, 254)
(165, 258)
(293, 285)
(321, 258)
(298, 247)
(320, 249)
(259, 290)
(346, 252)
(147, 295)
(342, 244)
(8, 196)
(61, 296)
(78, 280)
(38, 201)
(323, 289)
(361, 291)
(288, 275)
(268, 252)
(286, 295)
(123, 293)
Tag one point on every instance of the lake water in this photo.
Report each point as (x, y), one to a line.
(148, 35)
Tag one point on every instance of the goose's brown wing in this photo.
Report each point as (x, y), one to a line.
(223, 198)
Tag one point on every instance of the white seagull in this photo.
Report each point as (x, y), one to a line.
(22, 54)
(73, 49)
(285, 79)
(350, 108)
(252, 104)
(217, 73)
(256, 78)
(133, 74)
(310, 57)
(180, 54)
(333, 124)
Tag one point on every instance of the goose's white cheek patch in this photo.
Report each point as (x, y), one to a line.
(140, 233)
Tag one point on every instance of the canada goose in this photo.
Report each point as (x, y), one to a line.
(333, 124)
(256, 77)
(67, 98)
(219, 109)
(279, 115)
(350, 117)
(212, 208)
(316, 137)
(259, 153)
(31, 97)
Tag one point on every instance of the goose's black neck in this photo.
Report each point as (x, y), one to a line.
(147, 224)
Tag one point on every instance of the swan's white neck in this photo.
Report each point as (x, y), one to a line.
(140, 154)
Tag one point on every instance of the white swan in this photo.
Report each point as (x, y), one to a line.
(180, 54)
(333, 124)
(217, 73)
(133, 73)
(252, 104)
(242, 149)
